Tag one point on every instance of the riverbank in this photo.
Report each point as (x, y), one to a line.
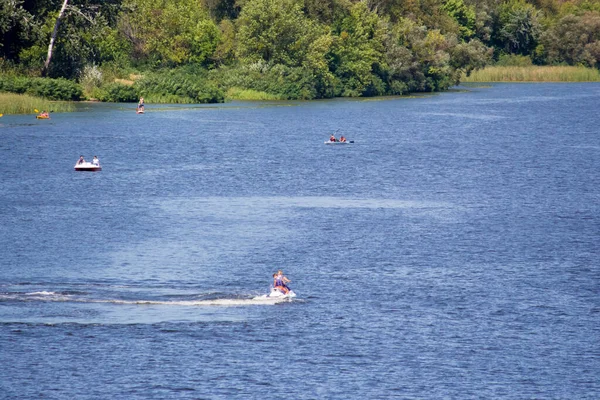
(11, 103)
(534, 73)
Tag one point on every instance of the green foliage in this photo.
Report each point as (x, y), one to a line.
(11, 103)
(32, 58)
(424, 60)
(83, 35)
(117, 93)
(114, 47)
(534, 73)
(275, 31)
(249, 94)
(222, 9)
(90, 79)
(225, 50)
(514, 60)
(322, 11)
(284, 49)
(181, 86)
(467, 57)
(18, 28)
(53, 89)
(318, 58)
(574, 40)
(519, 27)
(283, 82)
(169, 33)
(358, 52)
(463, 15)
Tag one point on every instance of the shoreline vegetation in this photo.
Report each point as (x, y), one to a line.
(11, 103)
(533, 73)
(211, 51)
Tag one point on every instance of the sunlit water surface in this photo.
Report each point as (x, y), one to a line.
(452, 251)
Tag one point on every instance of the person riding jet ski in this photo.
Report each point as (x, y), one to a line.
(280, 282)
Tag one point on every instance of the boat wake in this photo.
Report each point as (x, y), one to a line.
(215, 302)
(51, 296)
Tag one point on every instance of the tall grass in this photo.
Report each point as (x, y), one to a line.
(235, 93)
(11, 103)
(178, 86)
(533, 74)
(153, 98)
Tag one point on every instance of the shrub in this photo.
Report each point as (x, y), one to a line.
(280, 81)
(52, 89)
(117, 93)
(55, 89)
(514, 60)
(90, 78)
(180, 86)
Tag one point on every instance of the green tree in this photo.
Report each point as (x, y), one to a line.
(274, 31)
(518, 27)
(357, 52)
(225, 50)
(317, 62)
(320, 10)
(466, 57)
(71, 37)
(573, 40)
(169, 32)
(222, 9)
(18, 28)
(421, 59)
(463, 15)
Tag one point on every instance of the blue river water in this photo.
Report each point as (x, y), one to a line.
(451, 252)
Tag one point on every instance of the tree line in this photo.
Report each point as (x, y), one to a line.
(196, 50)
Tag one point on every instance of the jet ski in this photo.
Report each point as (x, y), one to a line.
(276, 294)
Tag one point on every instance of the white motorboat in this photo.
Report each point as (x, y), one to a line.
(276, 294)
(338, 142)
(87, 166)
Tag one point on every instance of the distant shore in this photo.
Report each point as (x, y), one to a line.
(534, 73)
(11, 103)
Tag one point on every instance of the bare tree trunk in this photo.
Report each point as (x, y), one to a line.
(53, 38)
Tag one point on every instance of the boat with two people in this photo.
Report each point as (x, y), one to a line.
(341, 140)
(92, 166)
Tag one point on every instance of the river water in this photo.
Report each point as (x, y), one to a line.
(451, 252)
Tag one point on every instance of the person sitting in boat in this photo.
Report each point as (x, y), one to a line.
(45, 114)
(342, 139)
(95, 161)
(332, 138)
(81, 160)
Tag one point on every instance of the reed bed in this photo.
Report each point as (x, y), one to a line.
(249, 94)
(534, 74)
(11, 103)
